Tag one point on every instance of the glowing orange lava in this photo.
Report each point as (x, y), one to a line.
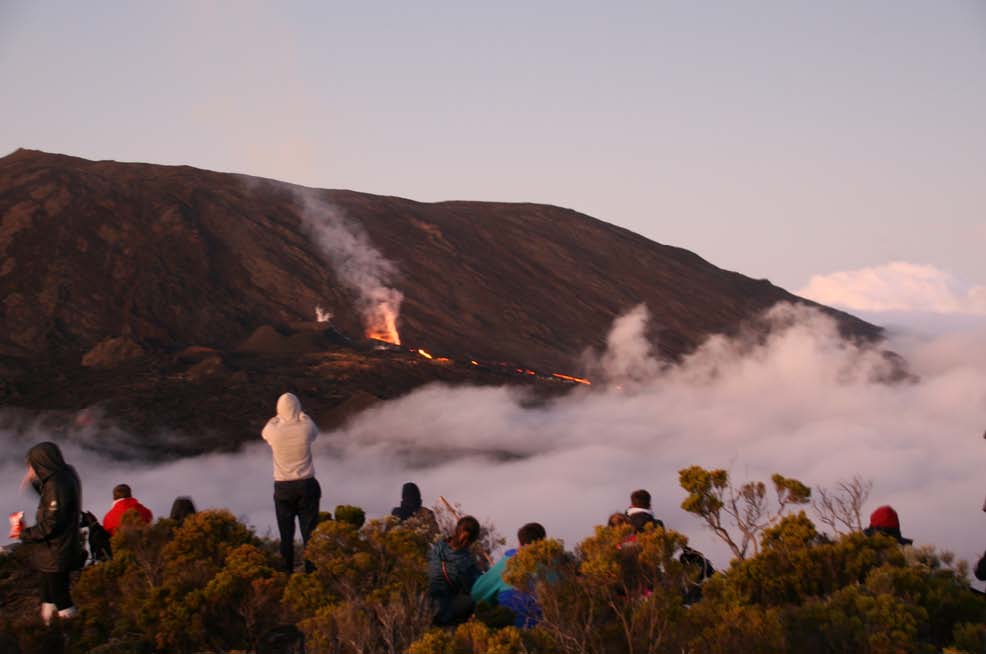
(425, 354)
(578, 380)
(381, 325)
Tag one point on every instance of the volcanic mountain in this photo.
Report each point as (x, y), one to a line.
(173, 299)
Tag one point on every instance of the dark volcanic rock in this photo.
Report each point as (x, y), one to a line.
(168, 257)
(111, 352)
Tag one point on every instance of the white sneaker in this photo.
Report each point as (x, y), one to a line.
(68, 613)
(47, 612)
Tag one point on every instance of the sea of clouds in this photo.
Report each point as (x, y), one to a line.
(802, 402)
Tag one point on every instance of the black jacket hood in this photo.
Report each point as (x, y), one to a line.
(46, 459)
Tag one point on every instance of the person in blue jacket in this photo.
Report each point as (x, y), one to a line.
(491, 587)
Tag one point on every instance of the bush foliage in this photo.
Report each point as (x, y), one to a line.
(211, 585)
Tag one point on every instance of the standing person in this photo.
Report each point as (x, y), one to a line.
(56, 547)
(640, 513)
(452, 571)
(123, 501)
(296, 491)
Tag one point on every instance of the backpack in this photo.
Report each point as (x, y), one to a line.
(698, 569)
(98, 539)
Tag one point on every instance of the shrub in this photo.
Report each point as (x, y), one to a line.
(369, 589)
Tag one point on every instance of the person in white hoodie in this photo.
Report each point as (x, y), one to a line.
(296, 491)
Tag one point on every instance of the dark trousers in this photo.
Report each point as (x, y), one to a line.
(54, 589)
(295, 499)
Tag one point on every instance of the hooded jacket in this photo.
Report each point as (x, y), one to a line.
(290, 435)
(411, 507)
(56, 545)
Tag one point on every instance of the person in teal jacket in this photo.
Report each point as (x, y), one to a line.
(452, 570)
(491, 588)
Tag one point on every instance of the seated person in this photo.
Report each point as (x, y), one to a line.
(411, 507)
(182, 508)
(124, 501)
(640, 513)
(617, 520)
(491, 587)
(452, 570)
(885, 521)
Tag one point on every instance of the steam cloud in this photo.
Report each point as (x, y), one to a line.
(359, 266)
(897, 286)
(801, 403)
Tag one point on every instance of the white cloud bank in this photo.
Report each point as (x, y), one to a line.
(803, 403)
(897, 286)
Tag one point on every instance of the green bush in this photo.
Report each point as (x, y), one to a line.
(212, 586)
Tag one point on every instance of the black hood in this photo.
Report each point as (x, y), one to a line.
(410, 501)
(46, 459)
(410, 494)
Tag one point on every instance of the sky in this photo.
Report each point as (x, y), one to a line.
(785, 140)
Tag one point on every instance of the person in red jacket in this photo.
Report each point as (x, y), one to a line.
(124, 501)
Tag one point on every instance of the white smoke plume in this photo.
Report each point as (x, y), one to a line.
(800, 402)
(357, 264)
(628, 361)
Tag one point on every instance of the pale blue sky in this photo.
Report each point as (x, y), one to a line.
(780, 139)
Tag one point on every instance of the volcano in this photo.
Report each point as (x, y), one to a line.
(176, 301)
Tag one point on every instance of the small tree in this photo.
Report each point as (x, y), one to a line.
(841, 508)
(368, 592)
(746, 509)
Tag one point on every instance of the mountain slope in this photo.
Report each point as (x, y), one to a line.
(106, 261)
(180, 255)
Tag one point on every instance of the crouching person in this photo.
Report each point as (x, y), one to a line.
(452, 571)
(491, 587)
(56, 548)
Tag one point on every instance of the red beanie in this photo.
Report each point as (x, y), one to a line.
(884, 518)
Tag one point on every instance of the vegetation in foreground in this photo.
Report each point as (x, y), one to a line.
(211, 585)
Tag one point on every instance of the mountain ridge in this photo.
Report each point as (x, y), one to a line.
(138, 262)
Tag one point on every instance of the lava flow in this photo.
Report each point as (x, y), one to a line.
(505, 368)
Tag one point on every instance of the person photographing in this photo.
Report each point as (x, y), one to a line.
(290, 435)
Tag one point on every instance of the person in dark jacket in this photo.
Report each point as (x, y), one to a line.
(181, 508)
(885, 521)
(980, 570)
(411, 506)
(640, 513)
(56, 547)
(452, 571)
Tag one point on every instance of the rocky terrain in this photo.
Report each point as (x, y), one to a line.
(177, 303)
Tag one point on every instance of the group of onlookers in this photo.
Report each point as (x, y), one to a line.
(455, 581)
(56, 549)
